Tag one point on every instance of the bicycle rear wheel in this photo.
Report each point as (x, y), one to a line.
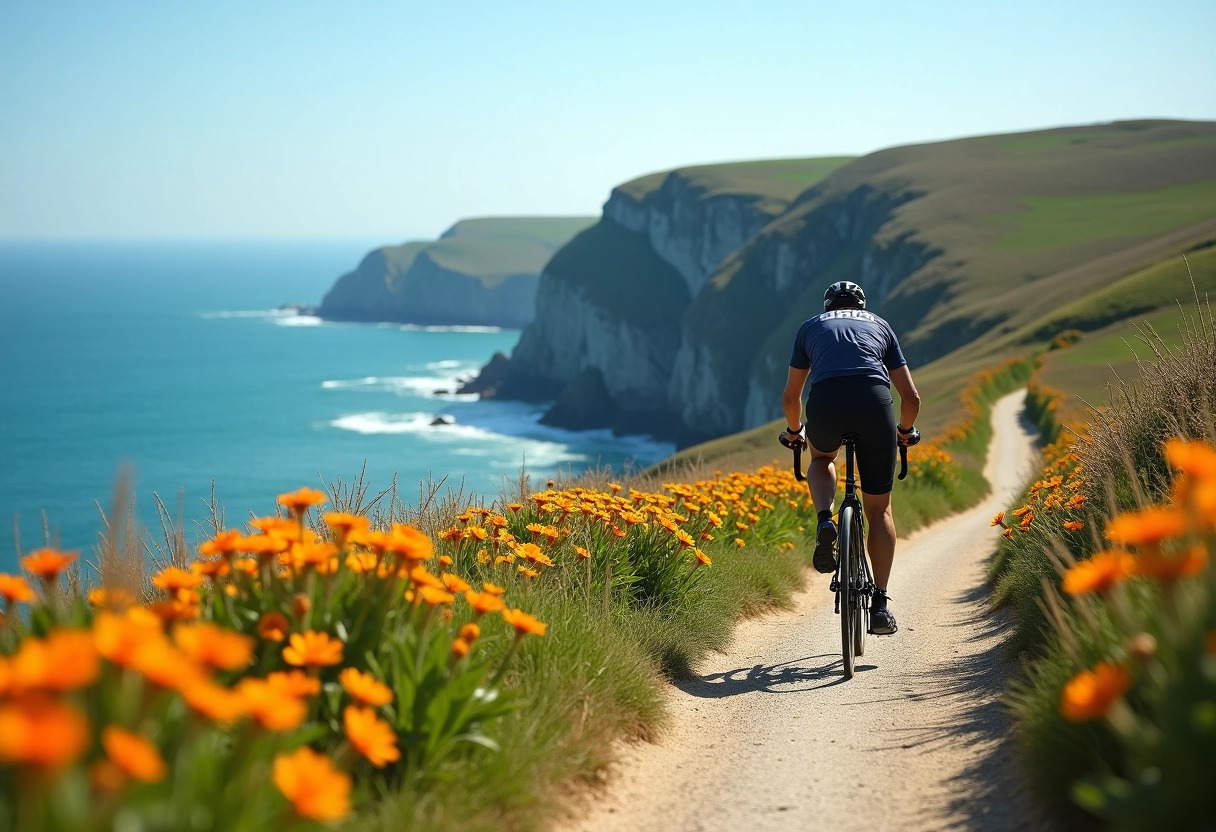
(858, 571)
(845, 581)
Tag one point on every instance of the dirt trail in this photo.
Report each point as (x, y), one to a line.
(770, 737)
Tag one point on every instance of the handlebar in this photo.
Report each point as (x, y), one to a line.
(797, 447)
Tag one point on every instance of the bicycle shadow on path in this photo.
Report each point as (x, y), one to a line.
(784, 677)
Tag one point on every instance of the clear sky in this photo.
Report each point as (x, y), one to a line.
(394, 119)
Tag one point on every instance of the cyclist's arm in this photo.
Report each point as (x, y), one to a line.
(791, 399)
(909, 399)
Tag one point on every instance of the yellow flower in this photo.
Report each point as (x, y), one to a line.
(740, 542)
(365, 688)
(214, 646)
(312, 649)
(702, 558)
(316, 789)
(582, 553)
(370, 736)
(133, 754)
(297, 502)
(523, 623)
(1091, 693)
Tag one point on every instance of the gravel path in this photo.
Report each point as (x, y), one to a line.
(771, 737)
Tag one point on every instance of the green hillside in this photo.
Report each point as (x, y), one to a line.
(480, 272)
(772, 183)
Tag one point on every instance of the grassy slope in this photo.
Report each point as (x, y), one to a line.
(775, 183)
(1019, 226)
(493, 248)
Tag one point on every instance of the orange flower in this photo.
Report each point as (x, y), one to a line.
(215, 702)
(484, 602)
(224, 544)
(1007, 534)
(370, 736)
(740, 542)
(211, 568)
(133, 754)
(312, 649)
(1147, 527)
(1022, 511)
(436, 597)
(582, 553)
(523, 623)
(493, 589)
(410, 543)
(295, 683)
(316, 789)
(1099, 573)
(454, 583)
(65, 660)
(421, 577)
(297, 502)
(1091, 693)
(214, 646)
(526, 572)
(273, 708)
(702, 558)
(460, 648)
(342, 523)
(1196, 459)
(163, 664)
(273, 626)
(171, 579)
(112, 598)
(46, 564)
(1168, 568)
(14, 589)
(42, 732)
(999, 520)
(365, 688)
(117, 637)
(685, 539)
(182, 608)
(1073, 525)
(470, 632)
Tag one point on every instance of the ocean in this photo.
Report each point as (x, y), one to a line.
(168, 358)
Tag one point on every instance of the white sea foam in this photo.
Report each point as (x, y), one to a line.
(420, 328)
(298, 320)
(426, 387)
(251, 313)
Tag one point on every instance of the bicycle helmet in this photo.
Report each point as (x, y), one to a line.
(844, 294)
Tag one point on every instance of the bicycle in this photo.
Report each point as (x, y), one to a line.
(853, 583)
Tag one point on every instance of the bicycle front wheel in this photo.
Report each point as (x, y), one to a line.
(861, 610)
(844, 578)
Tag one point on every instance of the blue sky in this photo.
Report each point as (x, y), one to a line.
(395, 119)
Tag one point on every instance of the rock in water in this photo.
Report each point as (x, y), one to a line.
(440, 420)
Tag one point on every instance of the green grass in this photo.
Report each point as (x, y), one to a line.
(549, 232)
(1056, 221)
(598, 677)
(772, 183)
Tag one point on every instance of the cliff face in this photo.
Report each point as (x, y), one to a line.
(675, 313)
(479, 273)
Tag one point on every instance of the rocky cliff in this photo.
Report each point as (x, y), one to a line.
(480, 272)
(674, 314)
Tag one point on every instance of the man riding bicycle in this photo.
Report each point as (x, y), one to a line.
(853, 358)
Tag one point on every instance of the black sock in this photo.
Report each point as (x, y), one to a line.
(825, 515)
(879, 599)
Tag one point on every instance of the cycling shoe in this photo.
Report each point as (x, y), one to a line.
(882, 622)
(824, 559)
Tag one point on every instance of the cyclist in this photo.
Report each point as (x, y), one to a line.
(853, 358)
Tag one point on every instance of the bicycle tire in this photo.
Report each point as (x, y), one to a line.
(845, 581)
(861, 612)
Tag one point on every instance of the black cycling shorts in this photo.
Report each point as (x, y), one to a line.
(860, 405)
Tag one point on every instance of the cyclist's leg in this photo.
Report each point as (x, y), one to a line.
(821, 478)
(880, 541)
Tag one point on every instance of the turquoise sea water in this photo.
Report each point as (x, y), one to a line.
(165, 356)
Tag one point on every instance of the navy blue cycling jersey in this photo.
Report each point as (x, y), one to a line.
(847, 342)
